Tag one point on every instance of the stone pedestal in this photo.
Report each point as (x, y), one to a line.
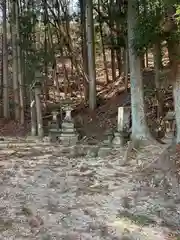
(54, 129)
(104, 151)
(122, 133)
(106, 146)
(118, 139)
(108, 137)
(68, 134)
(92, 151)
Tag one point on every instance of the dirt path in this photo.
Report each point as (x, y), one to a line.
(46, 194)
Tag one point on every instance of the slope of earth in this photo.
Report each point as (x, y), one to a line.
(46, 193)
(92, 124)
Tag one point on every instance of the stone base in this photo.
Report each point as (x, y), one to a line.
(104, 151)
(68, 127)
(54, 134)
(68, 138)
(31, 138)
(92, 151)
(118, 139)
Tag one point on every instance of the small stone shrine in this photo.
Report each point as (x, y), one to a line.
(170, 124)
(68, 134)
(106, 146)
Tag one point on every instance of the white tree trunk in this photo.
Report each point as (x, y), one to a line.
(176, 92)
(139, 127)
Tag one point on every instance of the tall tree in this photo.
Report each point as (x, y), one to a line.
(5, 63)
(91, 54)
(176, 84)
(15, 59)
(139, 126)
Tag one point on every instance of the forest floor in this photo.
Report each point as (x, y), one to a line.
(47, 193)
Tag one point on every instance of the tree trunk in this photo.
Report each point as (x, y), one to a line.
(171, 51)
(142, 62)
(176, 93)
(102, 43)
(158, 54)
(146, 57)
(139, 127)
(46, 88)
(126, 68)
(113, 61)
(112, 42)
(19, 68)
(157, 68)
(91, 55)
(5, 65)
(15, 60)
(84, 46)
(119, 63)
(126, 64)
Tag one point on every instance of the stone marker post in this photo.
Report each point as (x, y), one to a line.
(120, 124)
(37, 91)
(33, 114)
(54, 129)
(123, 118)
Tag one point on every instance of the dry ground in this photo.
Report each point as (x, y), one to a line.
(47, 192)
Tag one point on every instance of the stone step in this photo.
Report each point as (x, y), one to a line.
(4, 144)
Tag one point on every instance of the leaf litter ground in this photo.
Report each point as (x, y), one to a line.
(45, 193)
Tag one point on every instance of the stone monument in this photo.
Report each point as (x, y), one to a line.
(39, 117)
(54, 127)
(106, 146)
(170, 124)
(68, 134)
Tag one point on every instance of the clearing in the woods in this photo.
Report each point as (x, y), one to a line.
(53, 192)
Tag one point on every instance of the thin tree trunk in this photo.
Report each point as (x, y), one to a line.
(103, 47)
(91, 55)
(157, 68)
(146, 58)
(118, 47)
(142, 62)
(19, 68)
(126, 68)
(5, 65)
(119, 63)
(15, 61)
(84, 46)
(176, 93)
(46, 90)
